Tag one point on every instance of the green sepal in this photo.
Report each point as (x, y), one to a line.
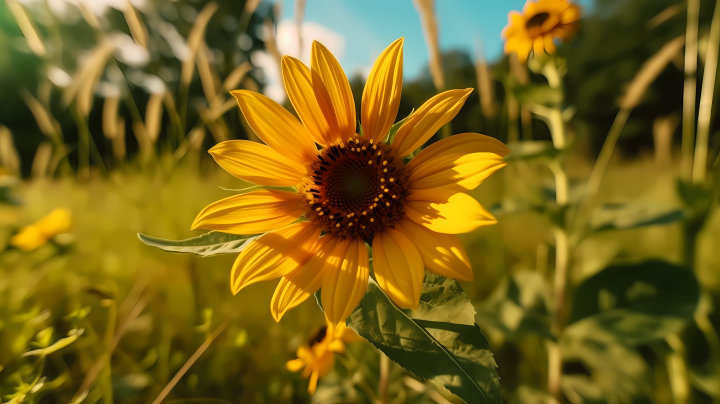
(395, 128)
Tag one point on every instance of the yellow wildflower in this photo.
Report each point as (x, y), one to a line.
(356, 190)
(538, 25)
(318, 357)
(37, 234)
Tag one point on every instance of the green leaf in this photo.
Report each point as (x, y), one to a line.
(438, 341)
(518, 307)
(635, 303)
(395, 128)
(625, 217)
(208, 244)
(617, 373)
(531, 149)
(59, 344)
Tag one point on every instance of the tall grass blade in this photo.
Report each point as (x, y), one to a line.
(689, 91)
(706, 99)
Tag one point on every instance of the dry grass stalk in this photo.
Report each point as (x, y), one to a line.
(663, 130)
(235, 77)
(665, 15)
(27, 28)
(205, 71)
(649, 71)
(9, 157)
(251, 6)
(194, 39)
(218, 130)
(215, 113)
(706, 99)
(88, 15)
(137, 28)
(142, 137)
(485, 86)
(635, 91)
(426, 9)
(271, 42)
(84, 81)
(41, 161)
(110, 116)
(191, 361)
(47, 124)
(197, 137)
(299, 17)
(118, 142)
(153, 116)
(690, 90)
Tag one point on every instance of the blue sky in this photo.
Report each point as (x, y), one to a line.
(368, 26)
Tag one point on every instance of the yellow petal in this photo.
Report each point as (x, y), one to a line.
(446, 211)
(337, 86)
(295, 287)
(441, 253)
(539, 46)
(345, 280)
(28, 239)
(312, 383)
(462, 161)
(295, 365)
(570, 15)
(252, 213)
(428, 119)
(257, 163)
(336, 346)
(398, 267)
(275, 254)
(276, 126)
(381, 97)
(298, 80)
(550, 47)
(58, 221)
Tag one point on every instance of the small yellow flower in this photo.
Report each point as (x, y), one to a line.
(538, 25)
(37, 234)
(356, 190)
(318, 357)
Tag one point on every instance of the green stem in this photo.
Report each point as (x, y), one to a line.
(559, 286)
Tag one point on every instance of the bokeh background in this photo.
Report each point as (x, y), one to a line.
(108, 108)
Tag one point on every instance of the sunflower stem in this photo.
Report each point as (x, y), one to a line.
(556, 125)
(384, 378)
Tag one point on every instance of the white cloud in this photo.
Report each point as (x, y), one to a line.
(271, 73)
(287, 39)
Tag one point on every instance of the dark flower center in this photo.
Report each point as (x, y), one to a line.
(537, 20)
(355, 188)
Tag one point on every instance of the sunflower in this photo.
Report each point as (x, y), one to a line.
(37, 234)
(538, 25)
(317, 358)
(353, 192)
